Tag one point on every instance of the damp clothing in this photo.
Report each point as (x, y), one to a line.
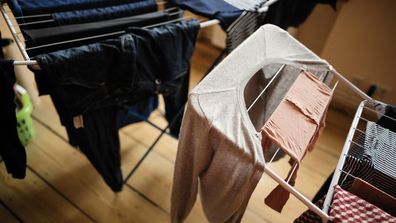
(348, 208)
(32, 7)
(104, 13)
(219, 147)
(219, 9)
(11, 150)
(132, 67)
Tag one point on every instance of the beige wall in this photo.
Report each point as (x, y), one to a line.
(362, 46)
(359, 40)
(315, 30)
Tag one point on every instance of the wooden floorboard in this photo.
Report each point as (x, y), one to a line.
(7, 215)
(33, 200)
(70, 172)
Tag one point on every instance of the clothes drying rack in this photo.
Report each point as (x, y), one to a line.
(322, 213)
(27, 61)
(367, 101)
(34, 65)
(353, 139)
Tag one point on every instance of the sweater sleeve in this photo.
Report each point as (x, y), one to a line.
(193, 157)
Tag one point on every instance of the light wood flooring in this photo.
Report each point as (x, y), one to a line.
(62, 186)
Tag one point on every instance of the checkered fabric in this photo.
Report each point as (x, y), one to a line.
(347, 207)
(310, 216)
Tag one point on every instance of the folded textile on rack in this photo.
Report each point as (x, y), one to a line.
(218, 9)
(32, 7)
(374, 195)
(304, 107)
(37, 37)
(12, 151)
(363, 193)
(244, 26)
(104, 13)
(364, 169)
(296, 125)
(219, 147)
(347, 207)
(91, 83)
(387, 121)
(380, 147)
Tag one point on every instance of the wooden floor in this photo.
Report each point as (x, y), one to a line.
(62, 186)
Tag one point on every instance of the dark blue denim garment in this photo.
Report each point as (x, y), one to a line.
(286, 13)
(36, 37)
(213, 9)
(11, 150)
(99, 14)
(31, 7)
(97, 80)
(137, 112)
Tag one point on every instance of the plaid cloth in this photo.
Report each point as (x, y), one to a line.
(347, 207)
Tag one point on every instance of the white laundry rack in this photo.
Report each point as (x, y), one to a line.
(323, 213)
(354, 133)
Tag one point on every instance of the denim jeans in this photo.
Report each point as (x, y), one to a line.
(213, 9)
(36, 37)
(11, 150)
(96, 80)
(31, 7)
(137, 112)
(99, 14)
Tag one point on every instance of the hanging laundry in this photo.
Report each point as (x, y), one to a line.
(11, 150)
(386, 121)
(347, 207)
(244, 26)
(364, 169)
(137, 65)
(104, 13)
(137, 112)
(362, 190)
(380, 147)
(304, 108)
(37, 37)
(32, 7)
(373, 195)
(219, 147)
(286, 13)
(218, 9)
(249, 5)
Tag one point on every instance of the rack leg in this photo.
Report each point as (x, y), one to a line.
(151, 147)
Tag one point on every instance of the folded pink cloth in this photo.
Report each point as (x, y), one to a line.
(295, 125)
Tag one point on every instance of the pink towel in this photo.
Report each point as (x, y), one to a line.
(296, 125)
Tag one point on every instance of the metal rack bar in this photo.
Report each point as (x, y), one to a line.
(341, 161)
(14, 33)
(297, 194)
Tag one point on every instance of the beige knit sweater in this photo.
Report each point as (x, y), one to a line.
(220, 148)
